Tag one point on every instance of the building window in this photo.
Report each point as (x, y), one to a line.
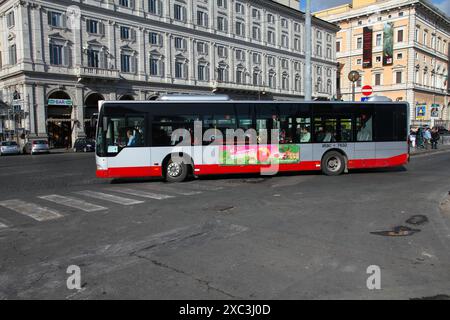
(400, 36)
(222, 52)
(284, 23)
(93, 58)
(256, 33)
(92, 26)
(378, 40)
(240, 55)
(399, 56)
(270, 18)
(12, 54)
(378, 79)
(240, 9)
(338, 46)
(284, 41)
(202, 18)
(222, 24)
(272, 80)
(256, 58)
(155, 7)
(256, 14)
(201, 72)
(359, 43)
(154, 66)
(378, 59)
(180, 43)
(240, 76)
(297, 44)
(398, 77)
(222, 4)
(126, 3)
(55, 19)
(56, 54)
(201, 48)
(240, 29)
(155, 39)
(125, 63)
(179, 70)
(126, 33)
(271, 37)
(179, 12)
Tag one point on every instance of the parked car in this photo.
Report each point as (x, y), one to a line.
(84, 145)
(9, 147)
(36, 146)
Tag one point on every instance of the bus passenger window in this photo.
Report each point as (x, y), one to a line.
(325, 130)
(346, 130)
(364, 128)
(304, 130)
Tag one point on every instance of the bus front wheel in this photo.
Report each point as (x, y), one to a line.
(176, 171)
(333, 163)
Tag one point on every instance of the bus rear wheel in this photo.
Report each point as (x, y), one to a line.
(333, 163)
(176, 171)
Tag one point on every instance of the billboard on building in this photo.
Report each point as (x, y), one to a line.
(421, 111)
(367, 47)
(434, 112)
(388, 44)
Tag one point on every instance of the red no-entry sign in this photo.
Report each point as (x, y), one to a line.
(367, 90)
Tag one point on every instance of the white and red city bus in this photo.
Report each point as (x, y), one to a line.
(143, 139)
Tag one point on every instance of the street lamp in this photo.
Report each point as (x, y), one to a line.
(353, 76)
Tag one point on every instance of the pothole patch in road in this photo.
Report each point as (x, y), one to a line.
(436, 297)
(400, 231)
(417, 220)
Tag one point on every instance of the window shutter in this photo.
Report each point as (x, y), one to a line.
(102, 28)
(185, 75)
(160, 39)
(133, 34)
(64, 21)
(206, 20)
(102, 60)
(184, 10)
(66, 56)
(184, 44)
(49, 18)
(159, 7)
(132, 5)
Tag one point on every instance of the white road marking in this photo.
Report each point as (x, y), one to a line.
(73, 203)
(202, 187)
(141, 193)
(109, 197)
(31, 210)
(174, 189)
(2, 226)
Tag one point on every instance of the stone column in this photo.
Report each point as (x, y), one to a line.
(41, 112)
(23, 39)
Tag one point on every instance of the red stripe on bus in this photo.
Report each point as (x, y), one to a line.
(379, 163)
(136, 172)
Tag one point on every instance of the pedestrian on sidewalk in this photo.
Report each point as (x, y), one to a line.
(419, 138)
(427, 137)
(435, 137)
(412, 138)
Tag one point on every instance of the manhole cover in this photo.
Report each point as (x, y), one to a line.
(417, 220)
(400, 231)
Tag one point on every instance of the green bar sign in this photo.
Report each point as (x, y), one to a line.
(60, 102)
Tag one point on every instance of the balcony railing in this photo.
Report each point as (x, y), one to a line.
(88, 72)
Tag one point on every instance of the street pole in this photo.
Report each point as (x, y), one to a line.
(353, 91)
(308, 52)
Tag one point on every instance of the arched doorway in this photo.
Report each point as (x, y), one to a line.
(90, 109)
(127, 97)
(59, 119)
(154, 97)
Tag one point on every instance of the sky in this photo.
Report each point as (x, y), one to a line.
(444, 5)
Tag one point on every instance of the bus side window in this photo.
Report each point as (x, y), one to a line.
(364, 127)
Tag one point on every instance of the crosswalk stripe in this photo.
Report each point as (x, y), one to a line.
(173, 189)
(31, 210)
(73, 203)
(109, 197)
(203, 187)
(2, 226)
(141, 193)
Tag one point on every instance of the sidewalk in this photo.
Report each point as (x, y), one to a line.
(441, 148)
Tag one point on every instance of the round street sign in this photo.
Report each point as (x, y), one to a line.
(367, 90)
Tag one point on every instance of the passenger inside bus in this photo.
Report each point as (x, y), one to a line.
(305, 135)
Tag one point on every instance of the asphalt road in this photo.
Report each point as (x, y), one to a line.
(304, 236)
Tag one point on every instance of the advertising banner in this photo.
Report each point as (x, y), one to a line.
(60, 102)
(367, 47)
(388, 44)
(262, 154)
(435, 110)
(421, 111)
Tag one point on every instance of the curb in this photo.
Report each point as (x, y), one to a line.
(428, 153)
